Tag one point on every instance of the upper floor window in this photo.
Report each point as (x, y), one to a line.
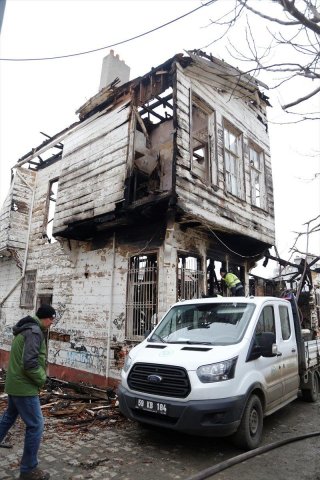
(200, 145)
(256, 159)
(51, 206)
(233, 160)
(28, 289)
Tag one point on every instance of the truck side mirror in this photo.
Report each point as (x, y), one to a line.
(267, 342)
(263, 345)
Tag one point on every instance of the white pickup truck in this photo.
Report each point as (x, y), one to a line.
(218, 366)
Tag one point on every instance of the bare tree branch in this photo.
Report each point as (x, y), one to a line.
(266, 17)
(302, 99)
(289, 6)
(297, 39)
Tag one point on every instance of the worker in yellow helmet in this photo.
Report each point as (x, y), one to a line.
(232, 282)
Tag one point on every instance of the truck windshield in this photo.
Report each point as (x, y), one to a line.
(214, 324)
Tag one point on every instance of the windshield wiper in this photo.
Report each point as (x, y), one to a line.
(156, 338)
(198, 343)
(204, 325)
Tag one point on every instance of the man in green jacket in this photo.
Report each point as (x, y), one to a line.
(26, 375)
(232, 282)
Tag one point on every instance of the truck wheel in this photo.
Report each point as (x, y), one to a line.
(249, 433)
(312, 394)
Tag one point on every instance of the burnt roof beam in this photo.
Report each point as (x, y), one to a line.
(146, 109)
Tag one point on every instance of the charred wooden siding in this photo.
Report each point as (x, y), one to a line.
(93, 168)
(210, 201)
(14, 216)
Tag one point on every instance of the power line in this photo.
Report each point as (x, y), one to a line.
(113, 44)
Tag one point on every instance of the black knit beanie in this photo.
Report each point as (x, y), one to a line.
(46, 311)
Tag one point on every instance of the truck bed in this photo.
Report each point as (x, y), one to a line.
(312, 353)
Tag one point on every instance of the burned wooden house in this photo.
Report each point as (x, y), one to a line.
(163, 179)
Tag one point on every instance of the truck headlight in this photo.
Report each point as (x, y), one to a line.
(127, 363)
(217, 372)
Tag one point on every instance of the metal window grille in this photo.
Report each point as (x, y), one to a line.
(142, 293)
(28, 289)
(190, 278)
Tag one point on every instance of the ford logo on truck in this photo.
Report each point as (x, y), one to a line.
(154, 378)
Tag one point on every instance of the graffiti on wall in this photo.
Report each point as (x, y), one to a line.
(90, 359)
(60, 309)
(119, 321)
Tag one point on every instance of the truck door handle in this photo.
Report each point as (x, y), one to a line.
(293, 350)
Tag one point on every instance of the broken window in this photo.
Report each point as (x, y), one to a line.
(200, 145)
(233, 160)
(51, 206)
(256, 159)
(28, 289)
(43, 299)
(190, 277)
(152, 135)
(142, 293)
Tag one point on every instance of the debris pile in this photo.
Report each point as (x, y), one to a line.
(68, 405)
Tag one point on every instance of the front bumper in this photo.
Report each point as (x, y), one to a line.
(215, 418)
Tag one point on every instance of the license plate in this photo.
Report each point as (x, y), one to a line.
(152, 406)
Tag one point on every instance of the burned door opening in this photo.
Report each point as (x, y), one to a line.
(190, 277)
(142, 294)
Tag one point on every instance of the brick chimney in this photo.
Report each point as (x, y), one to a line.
(113, 67)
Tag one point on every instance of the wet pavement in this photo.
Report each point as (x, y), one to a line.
(118, 449)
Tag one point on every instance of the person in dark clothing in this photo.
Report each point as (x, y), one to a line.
(233, 283)
(26, 375)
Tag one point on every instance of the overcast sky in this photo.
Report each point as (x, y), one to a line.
(43, 96)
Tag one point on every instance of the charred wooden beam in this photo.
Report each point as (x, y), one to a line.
(163, 101)
(145, 109)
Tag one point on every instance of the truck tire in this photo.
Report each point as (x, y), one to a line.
(248, 436)
(312, 394)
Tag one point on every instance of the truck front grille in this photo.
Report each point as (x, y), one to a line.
(174, 381)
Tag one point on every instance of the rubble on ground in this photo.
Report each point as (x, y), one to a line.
(71, 406)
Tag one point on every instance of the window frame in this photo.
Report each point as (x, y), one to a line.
(283, 308)
(202, 139)
(263, 320)
(25, 294)
(234, 181)
(254, 172)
